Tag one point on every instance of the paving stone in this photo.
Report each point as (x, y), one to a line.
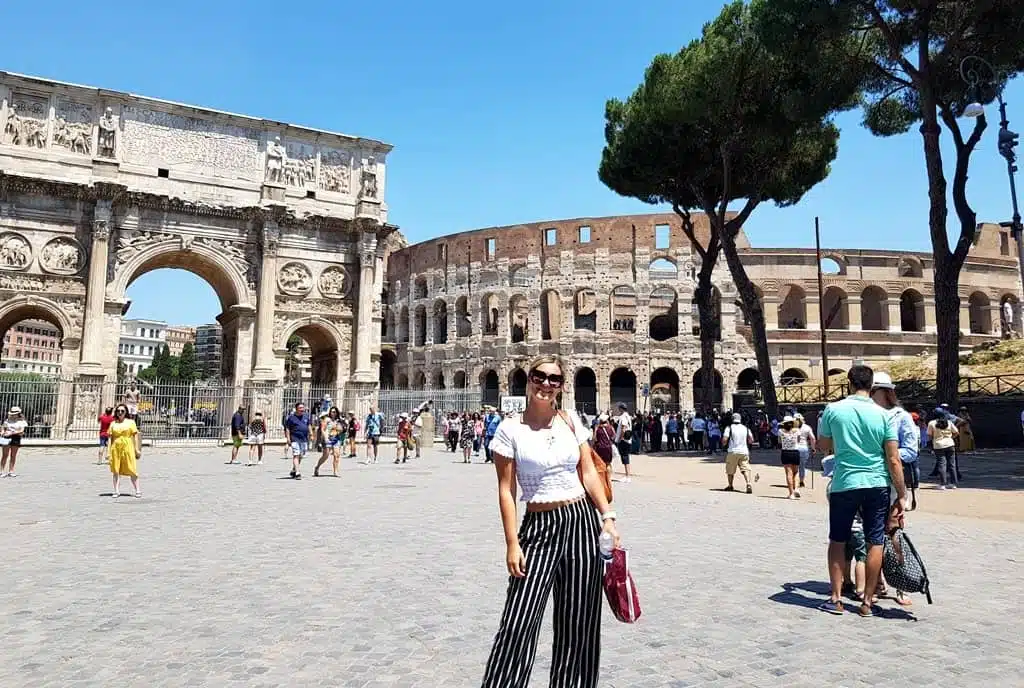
(227, 575)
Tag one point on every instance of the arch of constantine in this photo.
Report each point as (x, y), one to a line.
(287, 224)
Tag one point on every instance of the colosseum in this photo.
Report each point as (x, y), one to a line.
(613, 297)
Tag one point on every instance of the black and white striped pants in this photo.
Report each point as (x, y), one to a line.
(562, 554)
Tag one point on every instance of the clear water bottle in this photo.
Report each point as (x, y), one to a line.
(607, 545)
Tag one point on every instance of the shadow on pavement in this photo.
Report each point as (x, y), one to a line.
(792, 594)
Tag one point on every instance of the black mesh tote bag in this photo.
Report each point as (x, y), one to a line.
(902, 565)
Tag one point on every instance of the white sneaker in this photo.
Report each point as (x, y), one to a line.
(115, 495)
(952, 487)
(627, 480)
(3, 475)
(138, 494)
(941, 487)
(12, 474)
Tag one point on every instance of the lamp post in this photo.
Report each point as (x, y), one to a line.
(977, 72)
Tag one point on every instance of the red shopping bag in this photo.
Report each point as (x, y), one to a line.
(620, 589)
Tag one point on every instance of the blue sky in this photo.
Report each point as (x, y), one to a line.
(496, 111)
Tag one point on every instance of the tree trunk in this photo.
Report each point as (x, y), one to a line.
(708, 329)
(755, 314)
(947, 321)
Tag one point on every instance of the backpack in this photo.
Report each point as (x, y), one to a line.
(902, 565)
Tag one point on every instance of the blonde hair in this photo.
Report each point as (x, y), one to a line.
(543, 360)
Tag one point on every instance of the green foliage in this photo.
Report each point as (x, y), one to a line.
(122, 369)
(741, 113)
(187, 368)
(165, 364)
(35, 394)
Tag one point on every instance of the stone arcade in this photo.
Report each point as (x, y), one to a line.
(287, 224)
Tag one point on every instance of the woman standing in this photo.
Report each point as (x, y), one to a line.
(125, 448)
(105, 419)
(332, 438)
(257, 437)
(13, 430)
(404, 436)
(556, 548)
(789, 439)
(714, 431)
(466, 434)
(353, 432)
(478, 433)
(965, 440)
(943, 434)
(454, 431)
(805, 444)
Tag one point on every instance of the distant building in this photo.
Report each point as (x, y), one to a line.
(140, 341)
(209, 339)
(32, 346)
(178, 336)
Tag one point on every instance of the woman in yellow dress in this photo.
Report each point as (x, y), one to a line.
(125, 448)
(965, 440)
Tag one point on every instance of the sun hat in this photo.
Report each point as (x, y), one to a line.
(787, 419)
(15, 411)
(603, 417)
(798, 416)
(882, 381)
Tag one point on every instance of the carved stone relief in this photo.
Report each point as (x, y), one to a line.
(234, 252)
(368, 187)
(107, 139)
(327, 307)
(295, 278)
(62, 256)
(335, 170)
(334, 283)
(72, 130)
(26, 120)
(87, 406)
(50, 285)
(15, 252)
(131, 243)
(299, 164)
(280, 327)
(151, 136)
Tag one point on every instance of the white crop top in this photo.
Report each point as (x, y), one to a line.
(545, 459)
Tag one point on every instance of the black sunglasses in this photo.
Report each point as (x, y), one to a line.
(553, 379)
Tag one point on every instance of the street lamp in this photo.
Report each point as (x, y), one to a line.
(977, 72)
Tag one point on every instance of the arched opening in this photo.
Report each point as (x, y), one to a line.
(704, 400)
(833, 265)
(979, 308)
(440, 322)
(388, 361)
(490, 388)
(874, 309)
(792, 376)
(585, 310)
(623, 388)
(206, 292)
(420, 326)
(664, 393)
(517, 383)
(664, 314)
(420, 288)
(550, 315)
(662, 269)
(489, 313)
(30, 368)
(439, 380)
(419, 380)
(585, 391)
(402, 327)
(748, 380)
(910, 268)
(623, 313)
(1009, 315)
(519, 318)
(793, 309)
(459, 380)
(911, 311)
(315, 360)
(837, 309)
(463, 320)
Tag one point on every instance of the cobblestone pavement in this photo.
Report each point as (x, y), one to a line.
(393, 576)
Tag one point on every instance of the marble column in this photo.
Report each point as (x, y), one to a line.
(264, 367)
(95, 295)
(364, 311)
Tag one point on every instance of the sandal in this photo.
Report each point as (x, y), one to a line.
(868, 612)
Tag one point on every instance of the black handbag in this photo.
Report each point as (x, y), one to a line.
(902, 565)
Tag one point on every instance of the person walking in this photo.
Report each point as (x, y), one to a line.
(867, 466)
(556, 549)
(404, 436)
(790, 456)
(805, 444)
(13, 431)
(714, 431)
(353, 433)
(297, 430)
(454, 431)
(237, 433)
(672, 431)
(332, 431)
(374, 429)
(257, 437)
(738, 439)
(491, 422)
(942, 432)
(478, 433)
(125, 450)
(105, 419)
(624, 438)
(908, 440)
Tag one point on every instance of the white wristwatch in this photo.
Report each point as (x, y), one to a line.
(608, 516)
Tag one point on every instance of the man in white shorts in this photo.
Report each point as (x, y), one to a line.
(738, 440)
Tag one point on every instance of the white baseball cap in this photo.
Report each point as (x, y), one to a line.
(882, 381)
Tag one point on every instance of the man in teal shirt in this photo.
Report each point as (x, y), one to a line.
(867, 463)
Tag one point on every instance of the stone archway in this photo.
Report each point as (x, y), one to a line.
(32, 307)
(323, 338)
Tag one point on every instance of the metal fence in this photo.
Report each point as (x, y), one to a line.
(391, 402)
